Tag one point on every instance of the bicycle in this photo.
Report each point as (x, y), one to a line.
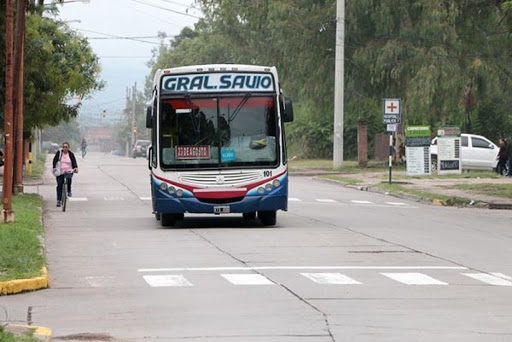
(67, 175)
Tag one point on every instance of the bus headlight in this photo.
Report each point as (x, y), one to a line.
(179, 192)
(276, 183)
(163, 186)
(261, 191)
(172, 190)
(268, 187)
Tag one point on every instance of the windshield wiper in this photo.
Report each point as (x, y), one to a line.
(239, 107)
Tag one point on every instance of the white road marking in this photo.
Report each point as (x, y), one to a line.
(501, 275)
(78, 199)
(167, 280)
(331, 278)
(326, 200)
(396, 203)
(291, 199)
(414, 279)
(100, 281)
(113, 198)
(361, 202)
(489, 279)
(145, 198)
(176, 269)
(247, 279)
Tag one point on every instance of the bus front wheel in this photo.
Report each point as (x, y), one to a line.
(167, 220)
(268, 218)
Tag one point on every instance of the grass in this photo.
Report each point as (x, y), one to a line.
(21, 254)
(500, 190)
(8, 337)
(349, 166)
(399, 189)
(346, 180)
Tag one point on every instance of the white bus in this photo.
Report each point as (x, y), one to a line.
(218, 142)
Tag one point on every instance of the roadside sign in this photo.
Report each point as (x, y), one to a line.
(448, 150)
(392, 111)
(391, 127)
(417, 150)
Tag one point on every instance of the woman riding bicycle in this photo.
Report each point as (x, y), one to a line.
(67, 162)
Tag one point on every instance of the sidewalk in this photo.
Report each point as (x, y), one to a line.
(440, 186)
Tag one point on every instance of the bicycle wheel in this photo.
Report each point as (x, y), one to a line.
(64, 194)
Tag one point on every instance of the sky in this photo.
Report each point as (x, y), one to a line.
(123, 61)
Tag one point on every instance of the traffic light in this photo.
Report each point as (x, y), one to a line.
(135, 130)
(104, 113)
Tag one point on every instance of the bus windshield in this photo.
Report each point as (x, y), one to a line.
(218, 132)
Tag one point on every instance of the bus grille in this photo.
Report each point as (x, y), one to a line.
(220, 179)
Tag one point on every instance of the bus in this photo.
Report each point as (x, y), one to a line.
(218, 142)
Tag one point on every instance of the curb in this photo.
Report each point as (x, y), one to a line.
(435, 201)
(43, 334)
(22, 285)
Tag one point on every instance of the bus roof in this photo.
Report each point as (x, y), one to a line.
(214, 68)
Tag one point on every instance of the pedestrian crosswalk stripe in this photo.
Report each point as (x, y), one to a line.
(501, 275)
(291, 199)
(167, 280)
(331, 278)
(414, 279)
(247, 279)
(361, 202)
(396, 203)
(325, 200)
(113, 198)
(78, 199)
(489, 279)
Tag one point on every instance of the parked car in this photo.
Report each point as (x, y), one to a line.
(50, 147)
(140, 148)
(476, 153)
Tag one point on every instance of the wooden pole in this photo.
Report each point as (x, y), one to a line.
(7, 212)
(19, 71)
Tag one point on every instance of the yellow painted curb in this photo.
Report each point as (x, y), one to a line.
(22, 285)
(438, 202)
(43, 333)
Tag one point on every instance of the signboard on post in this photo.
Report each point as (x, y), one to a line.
(448, 150)
(392, 111)
(417, 150)
(392, 115)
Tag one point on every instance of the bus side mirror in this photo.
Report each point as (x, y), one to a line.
(149, 117)
(150, 154)
(288, 111)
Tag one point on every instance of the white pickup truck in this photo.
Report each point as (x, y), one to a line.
(477, 152)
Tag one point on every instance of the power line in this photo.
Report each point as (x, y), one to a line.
(166, 9)
(118, 37)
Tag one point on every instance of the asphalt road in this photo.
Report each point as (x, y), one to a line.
(341, 265)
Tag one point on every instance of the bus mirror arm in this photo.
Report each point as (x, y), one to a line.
(288, 111)
(149, 117)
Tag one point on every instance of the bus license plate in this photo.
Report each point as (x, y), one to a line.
(221, 209)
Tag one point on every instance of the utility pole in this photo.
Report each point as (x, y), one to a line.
(134, 94)
(338, 85)
(7, 213)
(19, 76)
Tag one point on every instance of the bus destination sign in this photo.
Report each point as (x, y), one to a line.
(193, 152)
(217, 82)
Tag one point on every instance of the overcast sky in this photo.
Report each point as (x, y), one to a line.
(124, 61)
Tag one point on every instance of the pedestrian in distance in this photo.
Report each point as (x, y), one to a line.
(64, 162)
(84, 148)
(509, 161)
(502, 157)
